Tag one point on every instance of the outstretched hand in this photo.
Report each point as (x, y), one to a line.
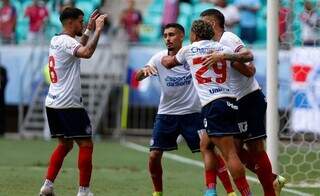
(149, 71)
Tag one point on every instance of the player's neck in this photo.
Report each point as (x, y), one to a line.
(68, 32)
(218, 34)
(173, 52)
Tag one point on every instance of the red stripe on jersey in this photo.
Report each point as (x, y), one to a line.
(197, 60)
(238, 48)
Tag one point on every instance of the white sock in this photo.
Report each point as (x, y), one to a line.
(83, 189)
(48, 183)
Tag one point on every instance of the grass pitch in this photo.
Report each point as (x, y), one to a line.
(117, 171)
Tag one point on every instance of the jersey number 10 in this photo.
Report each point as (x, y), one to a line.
(220, 68)
(52, 71)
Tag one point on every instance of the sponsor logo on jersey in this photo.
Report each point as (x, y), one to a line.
(217, 90)
(178, 81)
(205, 50)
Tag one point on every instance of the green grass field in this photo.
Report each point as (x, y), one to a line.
(118, 171)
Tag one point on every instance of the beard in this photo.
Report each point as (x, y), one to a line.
(79, 34)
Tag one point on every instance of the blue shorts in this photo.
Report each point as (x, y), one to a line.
(167, 128)
(69, 122)
(251, 116)
(220, 117)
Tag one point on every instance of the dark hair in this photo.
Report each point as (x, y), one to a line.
(174, 25)
(202, 29)
(215, 13)
(70, 13)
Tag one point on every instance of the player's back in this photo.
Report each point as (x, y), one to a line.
(64, 70)
(241, 84)
(211, 83)
(178, 95)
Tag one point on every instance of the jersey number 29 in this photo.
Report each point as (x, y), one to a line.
(52, 71)
(220, 68)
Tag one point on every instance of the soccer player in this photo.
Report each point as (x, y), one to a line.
(252, 106)
(179, 108)
(68, 120)
(216, 96)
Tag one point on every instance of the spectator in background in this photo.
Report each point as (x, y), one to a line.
(248, 19)
(66, 3)
(283, 18)
(130, 20)
(8, 20)
(37, 14)
(3, 83)
(310, 23)
(230, 13)
(170, 12)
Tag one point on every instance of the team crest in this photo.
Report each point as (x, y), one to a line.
(243, 126)
(205, 123)
(89, 129)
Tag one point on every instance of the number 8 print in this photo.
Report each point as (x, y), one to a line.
(52, 71)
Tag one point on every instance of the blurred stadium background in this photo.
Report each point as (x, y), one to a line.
(122, 109)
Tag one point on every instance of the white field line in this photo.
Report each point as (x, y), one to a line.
(188, 161)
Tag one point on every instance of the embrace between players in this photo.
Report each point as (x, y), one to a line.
(209, 95)
(218, 104)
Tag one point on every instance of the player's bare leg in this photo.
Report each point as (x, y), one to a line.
(155, 170)
(84, 165)
(64, 146)
(228, 150)
(214, 166)
(210, 163)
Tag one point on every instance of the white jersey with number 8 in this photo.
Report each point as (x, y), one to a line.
(211, 83)
(64, 70)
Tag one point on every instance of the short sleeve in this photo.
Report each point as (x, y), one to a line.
(71, 46)
(232, 41)
(153, 60)
(181, 55)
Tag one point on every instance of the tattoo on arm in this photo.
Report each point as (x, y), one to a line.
(242, 57)
(92, 44)
(84, 40)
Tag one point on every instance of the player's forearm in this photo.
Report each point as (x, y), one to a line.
(247, 69)
(92, 44)
(84, 39)
(242, 56)
(140, 75)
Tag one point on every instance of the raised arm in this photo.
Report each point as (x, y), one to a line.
(88, 50)
(91, 24)
(145, 72)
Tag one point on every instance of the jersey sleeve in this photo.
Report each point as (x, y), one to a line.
(181, 55)
(71, 46)
(234, 42)
(153, 60)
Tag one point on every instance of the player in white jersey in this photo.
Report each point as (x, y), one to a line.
(216, 95)
(179, 107)
(68, 120)
(252, 106)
